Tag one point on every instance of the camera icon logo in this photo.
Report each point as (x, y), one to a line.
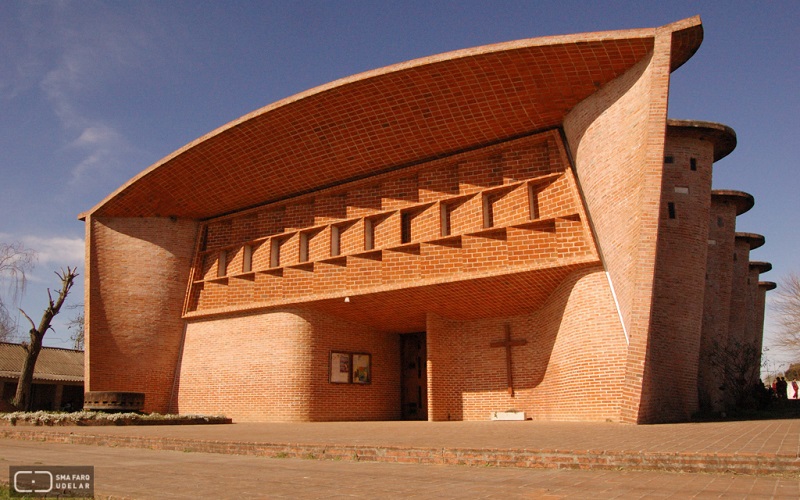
(33, 481)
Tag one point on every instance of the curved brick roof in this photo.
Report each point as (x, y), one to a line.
(743, 201)
(721, 136)
(389, 118)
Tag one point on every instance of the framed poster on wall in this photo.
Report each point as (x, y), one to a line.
(362, 368)
(340, 367)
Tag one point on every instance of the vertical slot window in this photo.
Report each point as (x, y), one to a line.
(247, 259)
(222, 264)
(533, 202)
(369, 234)
(275, 253)
(336, 239)
(488, 212)
(671, 210)
(445, 219)
(303, 257)
(405, 227)
(693, 163)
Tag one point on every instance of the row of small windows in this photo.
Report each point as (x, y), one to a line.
(692, 162)
(406, 235)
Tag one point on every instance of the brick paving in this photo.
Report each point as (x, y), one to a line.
(748, 447)
(155, 474)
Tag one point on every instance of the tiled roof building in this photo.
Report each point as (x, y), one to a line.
(57, 377)
(517, 225)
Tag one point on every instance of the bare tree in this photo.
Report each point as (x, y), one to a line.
(786, 302)
(739, 368)
(76, 326)
(22, 399)
(15, 262)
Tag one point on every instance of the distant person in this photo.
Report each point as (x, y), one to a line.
(795, 387)
(782, 388)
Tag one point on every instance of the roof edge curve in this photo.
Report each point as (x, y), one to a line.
(720, 135)
(679, 29)
(753, 239)
(762, 267)
(743, 201)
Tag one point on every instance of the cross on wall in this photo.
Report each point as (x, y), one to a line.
(508, 343)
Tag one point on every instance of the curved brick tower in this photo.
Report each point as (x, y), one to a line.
(514, 226)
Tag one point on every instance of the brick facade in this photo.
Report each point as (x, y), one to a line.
(532, 191)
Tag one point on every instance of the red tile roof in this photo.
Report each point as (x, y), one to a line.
(53, 364)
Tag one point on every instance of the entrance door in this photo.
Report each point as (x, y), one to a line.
(414, 361)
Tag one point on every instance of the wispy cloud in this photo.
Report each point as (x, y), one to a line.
(100, 146)
(57, 250)
(52, 253)
(72, 52)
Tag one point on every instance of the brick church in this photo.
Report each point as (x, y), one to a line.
(517, 226)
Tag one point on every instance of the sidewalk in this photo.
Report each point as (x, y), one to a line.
(124, 473)
(748, 447)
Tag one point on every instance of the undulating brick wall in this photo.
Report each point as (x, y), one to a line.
(741, 293)
(462, 236)
(716, 301)
(760, 305)
(571, 368)
(743, 348)
(680, 278)
(137, 270)
(617, 140)
(274, 366)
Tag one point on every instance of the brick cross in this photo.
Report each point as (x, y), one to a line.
(508, 343)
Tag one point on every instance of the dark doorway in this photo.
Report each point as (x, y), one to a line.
(414, 361)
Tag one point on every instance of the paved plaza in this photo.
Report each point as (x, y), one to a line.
(244, 461)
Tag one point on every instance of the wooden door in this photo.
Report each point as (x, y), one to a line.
(414, 361)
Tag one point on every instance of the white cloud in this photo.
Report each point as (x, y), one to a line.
(101, 148)
(56, 251)
(84, 54)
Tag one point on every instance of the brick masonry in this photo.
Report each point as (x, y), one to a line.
(765, 462)
(556, 203)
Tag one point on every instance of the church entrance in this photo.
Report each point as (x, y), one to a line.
(414, 362)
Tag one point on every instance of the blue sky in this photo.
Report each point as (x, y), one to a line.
(91, 93)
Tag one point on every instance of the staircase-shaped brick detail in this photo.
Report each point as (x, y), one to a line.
(503, 209)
